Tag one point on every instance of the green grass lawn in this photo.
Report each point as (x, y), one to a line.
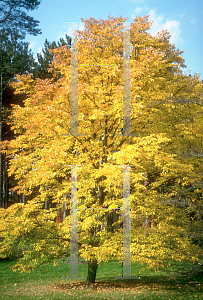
(46, 283)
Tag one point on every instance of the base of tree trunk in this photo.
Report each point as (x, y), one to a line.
(92, 270)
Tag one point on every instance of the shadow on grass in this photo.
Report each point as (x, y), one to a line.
(180, 284)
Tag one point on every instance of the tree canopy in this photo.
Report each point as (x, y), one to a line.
(164, 153)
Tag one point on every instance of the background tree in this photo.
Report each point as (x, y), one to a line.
(40, 154)
(15, 58)
(45, 59)
(13, 16)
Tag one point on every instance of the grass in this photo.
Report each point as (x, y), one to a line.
(46, 283)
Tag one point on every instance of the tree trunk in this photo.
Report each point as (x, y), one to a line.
(92, 270)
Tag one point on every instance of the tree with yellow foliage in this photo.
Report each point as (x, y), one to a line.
(162, 102)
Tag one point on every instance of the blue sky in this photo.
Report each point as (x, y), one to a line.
(182, 18)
